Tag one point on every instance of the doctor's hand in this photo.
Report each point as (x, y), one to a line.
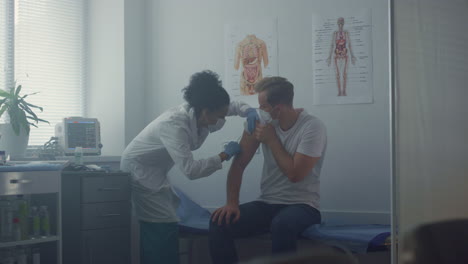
(265, 133)
(225, 214)
(252, 118)
(231, 149)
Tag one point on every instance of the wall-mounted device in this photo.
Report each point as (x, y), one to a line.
(81, 132)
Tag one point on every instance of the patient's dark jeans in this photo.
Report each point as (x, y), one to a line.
(285, 222)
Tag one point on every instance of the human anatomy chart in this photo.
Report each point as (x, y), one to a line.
(342, 55)
(251, 54)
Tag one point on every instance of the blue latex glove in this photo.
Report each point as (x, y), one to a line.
(252, 117)
(231, 149)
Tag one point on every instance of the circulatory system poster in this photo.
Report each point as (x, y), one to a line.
(342, 56)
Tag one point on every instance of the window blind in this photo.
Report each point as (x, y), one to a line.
(50, 59)
(6, 44)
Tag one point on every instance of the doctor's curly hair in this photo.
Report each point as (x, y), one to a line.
(205, 91)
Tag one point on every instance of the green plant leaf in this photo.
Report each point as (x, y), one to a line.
(32, 115)
(26, 95)
(24, 121)
(2, 102)
(37, 120)
(28, 110)
(18, 90)
(21, 113)
(34, 106)
(4, 93)
(14, 120)
(2, 110)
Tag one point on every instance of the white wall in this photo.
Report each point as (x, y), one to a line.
(135, 67)
(106, 88)
(117, 79)
(187, 36)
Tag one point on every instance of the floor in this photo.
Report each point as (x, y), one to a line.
(195, 250)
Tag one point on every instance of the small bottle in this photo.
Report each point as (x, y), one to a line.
(7, 215)
(78, 155)
(45, 221)
(4, 205)
(36, 256)
(23, 212)
(35, 223)
(16, 229)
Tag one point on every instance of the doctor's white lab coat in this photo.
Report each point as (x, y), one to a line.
(167, 141)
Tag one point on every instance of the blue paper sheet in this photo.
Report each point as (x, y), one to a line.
(35, 166)
(357, 238)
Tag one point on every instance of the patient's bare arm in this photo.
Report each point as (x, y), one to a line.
(249, 146)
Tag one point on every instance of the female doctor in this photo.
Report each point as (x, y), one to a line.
(167, 141)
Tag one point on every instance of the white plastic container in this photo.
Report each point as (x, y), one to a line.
(79, 155)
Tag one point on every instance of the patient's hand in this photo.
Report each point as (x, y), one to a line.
(227, 213)
(265, 133)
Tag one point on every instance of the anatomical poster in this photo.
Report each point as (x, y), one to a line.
(342, 58)
(251, 53)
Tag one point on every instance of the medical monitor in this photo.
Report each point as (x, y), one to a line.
(81, 132)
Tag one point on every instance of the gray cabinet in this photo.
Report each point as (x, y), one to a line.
(106, 246)
(96, 217)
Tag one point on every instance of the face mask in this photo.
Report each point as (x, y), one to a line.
(265, 118)
(274, 122)
(219, 124)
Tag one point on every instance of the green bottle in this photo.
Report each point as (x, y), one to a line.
(36, 222)
(23, 218)
(45, 221)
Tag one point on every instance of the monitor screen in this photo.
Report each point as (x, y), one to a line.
(81, 134)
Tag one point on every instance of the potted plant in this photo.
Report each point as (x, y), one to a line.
(15, 135)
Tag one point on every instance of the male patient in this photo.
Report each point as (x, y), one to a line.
(293, 143)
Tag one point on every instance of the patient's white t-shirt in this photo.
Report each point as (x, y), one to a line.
(308, 136)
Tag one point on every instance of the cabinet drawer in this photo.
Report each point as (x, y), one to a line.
(105, 189)
(29, 182)
(105, 215)
(106, 246)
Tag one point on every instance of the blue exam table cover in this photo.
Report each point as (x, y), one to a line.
(34, 166)
(357, 238)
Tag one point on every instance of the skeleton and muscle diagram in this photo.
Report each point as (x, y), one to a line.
(342, 55)
(342, 52)
(250, 55)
